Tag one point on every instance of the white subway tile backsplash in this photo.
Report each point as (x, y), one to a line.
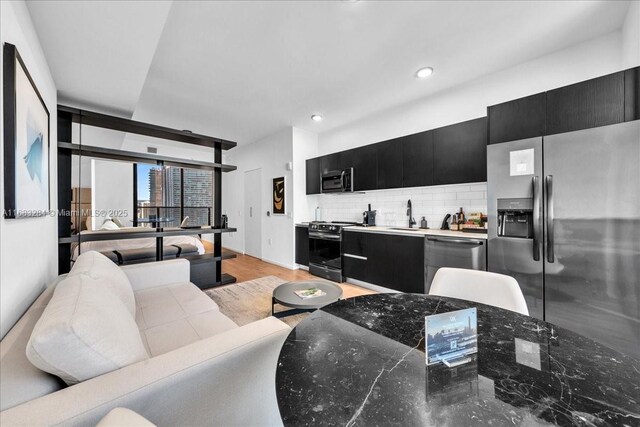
(433, 203)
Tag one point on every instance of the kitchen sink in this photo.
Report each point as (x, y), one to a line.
(404, 228)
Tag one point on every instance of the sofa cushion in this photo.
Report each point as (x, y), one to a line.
(175, 315)
(102, 270)
(84, 331)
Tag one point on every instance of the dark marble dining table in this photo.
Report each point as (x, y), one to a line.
(361, 362)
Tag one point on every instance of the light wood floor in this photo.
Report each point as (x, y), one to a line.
(246, 267)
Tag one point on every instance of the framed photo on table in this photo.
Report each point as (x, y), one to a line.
(26, 141)
(278, 196)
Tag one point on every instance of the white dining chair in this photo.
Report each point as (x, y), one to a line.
(493, 289)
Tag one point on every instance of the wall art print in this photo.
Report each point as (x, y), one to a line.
(278, 196)
(26, 141)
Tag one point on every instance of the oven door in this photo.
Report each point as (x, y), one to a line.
(324, 250)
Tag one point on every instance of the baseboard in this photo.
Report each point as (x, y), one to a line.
(279, 264)
(302, 267)
(371, 286)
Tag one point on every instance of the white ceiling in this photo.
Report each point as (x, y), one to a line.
(244, 70)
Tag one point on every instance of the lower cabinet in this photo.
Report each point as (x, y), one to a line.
(392, 261)
(302, 245)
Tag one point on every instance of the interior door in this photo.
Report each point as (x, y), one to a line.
(592, 260)
(253, 213)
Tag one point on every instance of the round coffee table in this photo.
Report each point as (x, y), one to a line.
(285, 295)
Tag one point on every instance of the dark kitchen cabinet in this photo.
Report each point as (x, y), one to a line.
(632, 94)
(389, 260)
(417, 159)
(518, 119)
(363, 160)
(389, 164)
(313, 176)
(592, 103)
(330, 162)
(460, 152)
(302, 245)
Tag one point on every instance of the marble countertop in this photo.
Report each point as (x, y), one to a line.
(361, 362)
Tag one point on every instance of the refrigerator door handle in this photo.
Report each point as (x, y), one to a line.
(549, 216)
(535, 182)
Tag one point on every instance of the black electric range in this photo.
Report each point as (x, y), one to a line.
(325, 248)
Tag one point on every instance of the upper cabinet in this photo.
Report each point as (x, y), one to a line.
(518, 119)
(313, 176)
(364, 161)
(460, 153)
(417, 159)
(588, 104)
(632, 94)
(390, 163)
(602, 101)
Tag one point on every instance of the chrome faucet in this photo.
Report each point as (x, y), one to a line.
(412, 221)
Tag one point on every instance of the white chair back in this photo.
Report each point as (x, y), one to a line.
(494, 289)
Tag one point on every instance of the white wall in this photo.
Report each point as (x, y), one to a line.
(631, 36)
(271, 154)
(111, 191)
(28, 247)
(305, 146)
(469, 101)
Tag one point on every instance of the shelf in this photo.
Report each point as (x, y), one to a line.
(132, 156)
(131, 126)
(227, 279)
(124, 235)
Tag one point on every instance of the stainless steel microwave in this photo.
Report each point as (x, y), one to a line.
(340, 181)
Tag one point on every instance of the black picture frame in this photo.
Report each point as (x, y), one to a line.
(278, 196)
(12, 60)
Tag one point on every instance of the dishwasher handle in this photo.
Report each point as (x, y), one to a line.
(461, 241)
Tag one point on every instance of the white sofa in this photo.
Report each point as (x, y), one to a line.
(200, 368)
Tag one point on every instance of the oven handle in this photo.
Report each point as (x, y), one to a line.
(342, 184)
(322, 236)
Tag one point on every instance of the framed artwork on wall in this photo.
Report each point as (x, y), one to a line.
(278, 196)
(26, 141)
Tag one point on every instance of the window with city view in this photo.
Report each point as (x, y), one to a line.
(170, 194)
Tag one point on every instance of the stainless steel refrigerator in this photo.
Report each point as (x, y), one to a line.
(564, 220)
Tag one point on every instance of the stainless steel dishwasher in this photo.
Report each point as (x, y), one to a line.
(455, 252)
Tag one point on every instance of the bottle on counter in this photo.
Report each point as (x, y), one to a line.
(454, 223)
(423, 223)
(461, 217)
(318, 213)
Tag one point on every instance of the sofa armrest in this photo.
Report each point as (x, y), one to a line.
(227, 379)
(152, 274)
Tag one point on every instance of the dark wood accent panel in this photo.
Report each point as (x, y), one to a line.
(313, 176)
(632, 94)
(417, 159)
(588, 104)
(518, 119)
(90, 118)
(389, 163)
(460, 153)
(132, 156)
(64, 193)
(302, 245)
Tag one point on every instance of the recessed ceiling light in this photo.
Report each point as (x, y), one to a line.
(423, 73)
(316, 118)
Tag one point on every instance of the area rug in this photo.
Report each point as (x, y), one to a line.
(249, 301)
